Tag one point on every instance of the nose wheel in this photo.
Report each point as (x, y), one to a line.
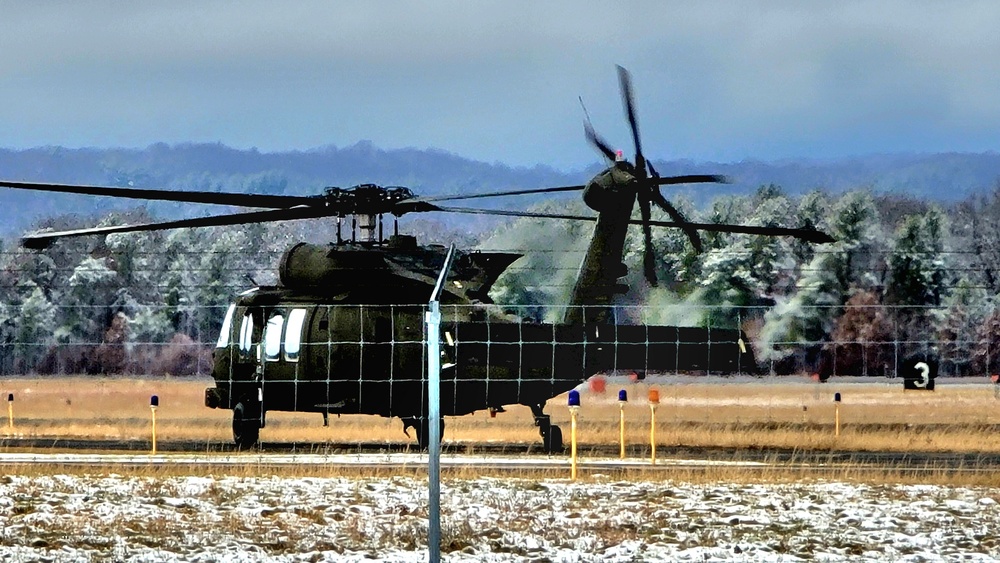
(246, 424)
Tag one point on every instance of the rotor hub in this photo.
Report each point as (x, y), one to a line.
(365, 199)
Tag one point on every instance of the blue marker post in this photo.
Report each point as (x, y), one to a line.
(574, 407)
(836, 414)
(622, 399)
(154, 402)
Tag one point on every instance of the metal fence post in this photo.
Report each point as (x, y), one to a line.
(433, 321)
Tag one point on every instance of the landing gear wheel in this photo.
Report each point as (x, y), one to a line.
(552, 440)
(246, 425)
(424, 433)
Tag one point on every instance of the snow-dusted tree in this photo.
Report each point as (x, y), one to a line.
(974, 224)
(798, 326)
(677, 262)
(916, 277)
(957, 324)
(33, 330)
(916, 265)
(813, 212)
(986, 357)
(729, 281)
(180, 277)
(225, 266)
(85, 307)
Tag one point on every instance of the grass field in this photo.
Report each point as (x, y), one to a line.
(875, 415)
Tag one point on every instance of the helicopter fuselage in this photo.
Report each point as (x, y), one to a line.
(292, 351)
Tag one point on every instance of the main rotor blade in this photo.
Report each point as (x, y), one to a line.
(215, 198)
(625, 81)
(453, 197)
(690, 179)
(669, 180)
(808, 235)
(44, 239)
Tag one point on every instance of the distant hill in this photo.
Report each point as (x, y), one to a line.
(945, 177)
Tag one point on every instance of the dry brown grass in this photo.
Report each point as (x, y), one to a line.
(876, 415)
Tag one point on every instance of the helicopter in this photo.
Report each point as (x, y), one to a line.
(342, 332)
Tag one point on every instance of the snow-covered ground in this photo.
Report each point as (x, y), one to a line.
(114, 518)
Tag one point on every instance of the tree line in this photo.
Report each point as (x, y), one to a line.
(905, 275)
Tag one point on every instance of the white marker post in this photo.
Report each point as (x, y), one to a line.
(10, 411)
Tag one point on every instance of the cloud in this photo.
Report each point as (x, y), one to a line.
(499, 80)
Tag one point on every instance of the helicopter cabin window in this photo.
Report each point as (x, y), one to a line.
(293, 334)
(272, 337)
(246, 335)
(227, 325)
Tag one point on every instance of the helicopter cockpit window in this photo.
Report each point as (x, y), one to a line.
(227, 325)
(272, 337)
(246, 335)
(293, 334)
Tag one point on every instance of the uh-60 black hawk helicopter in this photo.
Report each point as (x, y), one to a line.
(343, 332)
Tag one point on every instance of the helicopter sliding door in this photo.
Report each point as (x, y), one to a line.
(283, 384)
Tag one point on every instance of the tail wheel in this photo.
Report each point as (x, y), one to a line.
(552, 440)
(246, 424)
(424, 433)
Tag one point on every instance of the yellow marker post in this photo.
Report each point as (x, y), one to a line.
(10, 411)
(622, 399)
(836, 415)
(574, 407)
(154, 402)
(654, 400)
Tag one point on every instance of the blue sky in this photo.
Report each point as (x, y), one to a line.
(499, 81)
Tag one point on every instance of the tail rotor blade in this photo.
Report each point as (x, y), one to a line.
(662, 203)
(648, 261)
(598, 142)
(625, 81)
(593, 137)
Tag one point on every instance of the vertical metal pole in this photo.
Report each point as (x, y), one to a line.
(434, 429)
(433, 319)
